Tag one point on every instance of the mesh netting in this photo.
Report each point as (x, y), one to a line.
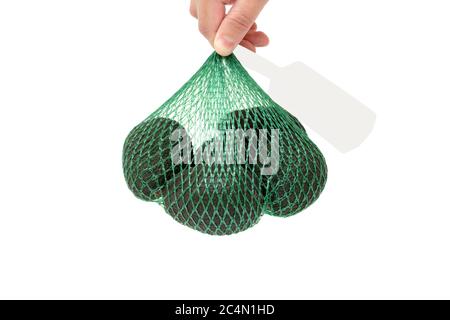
(220, 153)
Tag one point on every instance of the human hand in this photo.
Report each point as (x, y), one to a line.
(226, 31)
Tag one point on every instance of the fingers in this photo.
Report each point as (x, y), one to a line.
(247, 44)
(257, 38)
(236, 25)
(210, 14)
(193, 8)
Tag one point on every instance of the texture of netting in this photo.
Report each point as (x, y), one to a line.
(220, 153)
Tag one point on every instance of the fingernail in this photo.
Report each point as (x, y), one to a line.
(224, 45)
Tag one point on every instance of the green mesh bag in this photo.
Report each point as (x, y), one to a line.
(220, 153)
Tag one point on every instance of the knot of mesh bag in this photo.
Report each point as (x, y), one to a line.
(220, 153)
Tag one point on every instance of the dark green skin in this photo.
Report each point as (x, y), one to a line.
(216, 199)
(261, 118)
(209, 147)
(147, 158)
(300, 177)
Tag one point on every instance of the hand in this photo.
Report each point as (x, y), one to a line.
(226, 31)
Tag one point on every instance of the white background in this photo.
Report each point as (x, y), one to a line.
(76, 76)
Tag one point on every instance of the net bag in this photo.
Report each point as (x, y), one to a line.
(220, 153)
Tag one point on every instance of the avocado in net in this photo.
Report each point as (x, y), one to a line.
(215, 199)
(228, 196)
(301, 170)
(147, 156)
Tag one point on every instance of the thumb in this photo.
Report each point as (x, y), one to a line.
(236, 24)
